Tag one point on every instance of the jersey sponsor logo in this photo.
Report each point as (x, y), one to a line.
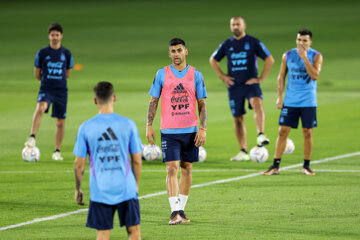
(179, 89)
(247, 46)
(106, 136)
(239, 61)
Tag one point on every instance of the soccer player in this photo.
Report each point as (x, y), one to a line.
(180, 86)
(242, 80)
(303, 66)
(53, 66)
(109, 139)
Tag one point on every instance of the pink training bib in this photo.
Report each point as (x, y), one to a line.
(178, 100)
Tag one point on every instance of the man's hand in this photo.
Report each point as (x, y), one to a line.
(301, 50)
(200, 138)
(252, 81)
(150, 135)
(79, 197)
(229, 81)
(279, 103)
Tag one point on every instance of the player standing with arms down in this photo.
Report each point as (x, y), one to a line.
(109, 138)
(180, 86)
(303, 66)
(52, 67)
(242, 80)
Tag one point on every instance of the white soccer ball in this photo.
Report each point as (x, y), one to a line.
(202, 154)
(31, 154)
(151, 152)
(290, 146)
(259, 154)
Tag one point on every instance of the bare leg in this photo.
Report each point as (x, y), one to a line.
(103, 234)
(172, 185)
(259, 114)
(281, 141)
(60, 131)
(308, 143)
(39, 111)
(240, 130)
(185, 178)
(134, 232)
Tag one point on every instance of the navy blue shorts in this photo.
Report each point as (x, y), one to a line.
(179, 147)
(101, 216)
(238, 95)
(289, 116)
(58, 101)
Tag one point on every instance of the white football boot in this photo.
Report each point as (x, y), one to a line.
(262, 140)
(30, 142)
(241, 156)
(57, 156)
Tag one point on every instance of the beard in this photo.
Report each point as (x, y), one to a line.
(237, 33)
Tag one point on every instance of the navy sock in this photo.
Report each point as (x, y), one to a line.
(244, 150)
(277, 162)
(32, 135)
(306, 163)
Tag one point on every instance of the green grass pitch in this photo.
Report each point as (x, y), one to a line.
(125, 42)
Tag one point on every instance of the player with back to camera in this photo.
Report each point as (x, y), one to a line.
(109, 139)
(303, 66)
(180, 87)
(242, 80)
(53, 66)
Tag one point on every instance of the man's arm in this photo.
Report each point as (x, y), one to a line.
(315, 69)
(79, 167)
(229, 81)
(68, 72)
(281, 82)
(269, 61)
(37, 73)
(136, 166)
(200, 137)
(150, 134)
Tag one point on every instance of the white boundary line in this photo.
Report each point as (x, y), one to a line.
(164, 192)
(194, 170)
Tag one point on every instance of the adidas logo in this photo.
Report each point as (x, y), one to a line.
(179, 89)
(48, 57)
(231, 49)
(106, 136)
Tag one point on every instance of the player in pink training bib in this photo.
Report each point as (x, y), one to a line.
(180, 86)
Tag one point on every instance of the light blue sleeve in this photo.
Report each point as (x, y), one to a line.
(200, 85)
(37, 60)
(135, 141)
(158, 83)
(80, 148)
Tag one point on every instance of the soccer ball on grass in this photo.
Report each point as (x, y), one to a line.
(290, 146)
(259, 154)
(151, 152)
(31, 154)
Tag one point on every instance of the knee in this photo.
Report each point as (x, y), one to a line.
(60, 124)
(171, 170)
(239, 121)
(186, 169)
(283, 133)
(307, 133)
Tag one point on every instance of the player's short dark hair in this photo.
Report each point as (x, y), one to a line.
(305, 31)
(176, 41)
(103, 91)
(55, 27)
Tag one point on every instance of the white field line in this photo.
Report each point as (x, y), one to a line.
(194, 186)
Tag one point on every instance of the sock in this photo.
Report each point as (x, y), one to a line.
(277, 162)
(244, 150)
(32, 135)
(57, 150)
(306, 163)
(183, 199)
(260, 133)
(174, 203)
